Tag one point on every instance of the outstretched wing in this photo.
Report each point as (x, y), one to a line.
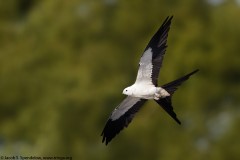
(151, 60)
(121, 117)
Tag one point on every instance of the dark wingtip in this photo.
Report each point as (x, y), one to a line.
(104, 140)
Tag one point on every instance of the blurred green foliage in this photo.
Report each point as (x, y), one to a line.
(63, 65)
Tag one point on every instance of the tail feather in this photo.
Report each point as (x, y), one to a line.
(172, 86)
(166, 103)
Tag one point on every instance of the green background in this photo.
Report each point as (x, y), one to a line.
(64, 64)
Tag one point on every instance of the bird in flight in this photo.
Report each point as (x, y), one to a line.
(145, 86)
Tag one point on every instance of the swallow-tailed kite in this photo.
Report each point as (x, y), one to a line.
(145, 86)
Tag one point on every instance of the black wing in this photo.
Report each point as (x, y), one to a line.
(121, 117)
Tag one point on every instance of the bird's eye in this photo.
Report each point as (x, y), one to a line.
(126, 90)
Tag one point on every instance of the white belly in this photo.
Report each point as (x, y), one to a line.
(147, 91)
(144, 91)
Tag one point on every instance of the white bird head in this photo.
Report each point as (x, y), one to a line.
(128, 91)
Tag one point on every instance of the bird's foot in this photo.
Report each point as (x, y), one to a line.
(161, 93)
(157, 96)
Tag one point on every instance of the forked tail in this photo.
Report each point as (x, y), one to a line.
(166, 103)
